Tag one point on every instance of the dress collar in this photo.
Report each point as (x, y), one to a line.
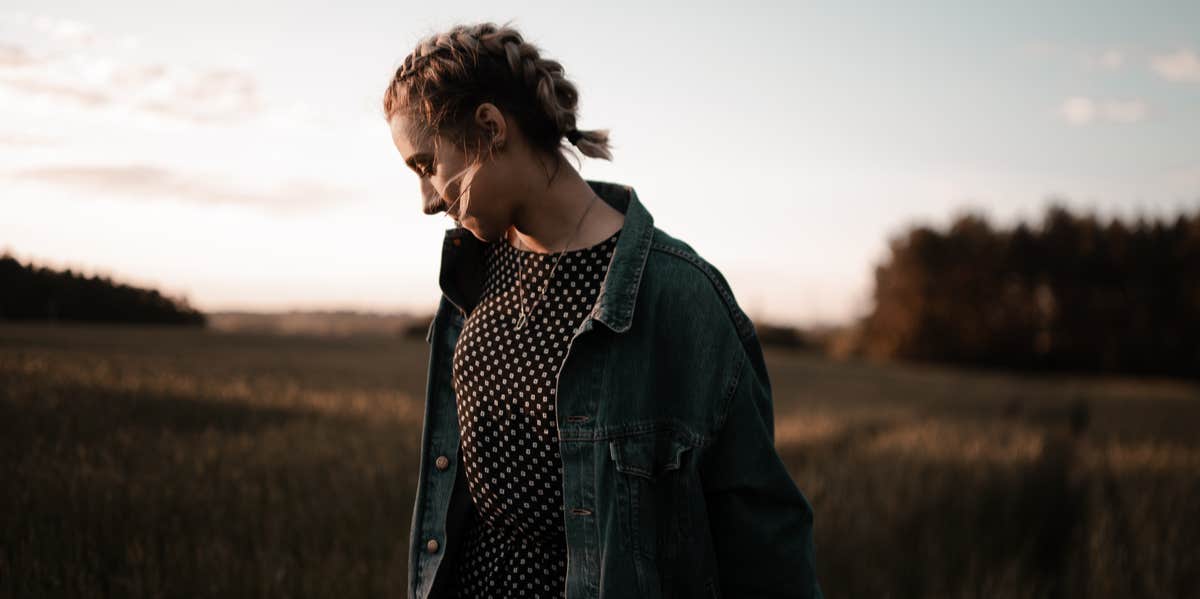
(463, 261)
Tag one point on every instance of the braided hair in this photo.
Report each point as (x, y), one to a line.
(440, 84)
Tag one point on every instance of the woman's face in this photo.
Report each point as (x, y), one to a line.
(481, 203)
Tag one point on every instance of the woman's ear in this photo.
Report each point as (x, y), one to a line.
(490, 119)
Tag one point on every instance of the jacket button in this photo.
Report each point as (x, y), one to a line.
(442, 462)
(431, 546)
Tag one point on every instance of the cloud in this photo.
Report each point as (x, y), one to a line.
(197, 95)
(1090, 58)
(82, 95)
(71, 61)
(43, 58)
(63, 30)
(14, 56)
(212, 95)
(155, 182)
(1081, 110)
(25, 140)
(1180, 66)
(1109, 59)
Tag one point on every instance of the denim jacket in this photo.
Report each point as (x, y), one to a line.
(672, 486)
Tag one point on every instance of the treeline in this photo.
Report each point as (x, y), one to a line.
(28, 292)
(1069, 293)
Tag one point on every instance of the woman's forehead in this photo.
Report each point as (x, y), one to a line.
(409, 138)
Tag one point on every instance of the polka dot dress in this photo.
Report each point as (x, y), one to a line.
(504, 383)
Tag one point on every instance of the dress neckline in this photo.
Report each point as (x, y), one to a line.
(573, 252)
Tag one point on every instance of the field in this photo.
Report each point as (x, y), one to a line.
(150, 462)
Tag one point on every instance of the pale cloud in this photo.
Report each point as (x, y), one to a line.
(198, 95)
(24, 140)
(14, 56)
(62, 30)
(1109, 59)
(211, 95)
(38, 87)
(67, 32)
(1123, 111)
(1081, 110)
(70, 61)
(158, 183)
(1180, 66)
(1090, 58)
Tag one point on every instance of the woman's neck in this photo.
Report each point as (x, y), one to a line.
(547, 221)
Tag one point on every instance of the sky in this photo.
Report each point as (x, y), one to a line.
(234, 154)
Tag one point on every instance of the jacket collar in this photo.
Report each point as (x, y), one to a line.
(463, 269)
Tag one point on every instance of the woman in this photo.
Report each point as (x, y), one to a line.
(608, 395)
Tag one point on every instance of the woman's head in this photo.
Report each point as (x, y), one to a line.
(477, 113)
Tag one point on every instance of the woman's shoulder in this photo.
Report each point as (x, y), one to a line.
(679, 278)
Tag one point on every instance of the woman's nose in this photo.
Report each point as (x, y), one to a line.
(432, 202)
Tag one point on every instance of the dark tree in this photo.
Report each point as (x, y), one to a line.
(1069, 293)
(32, 293)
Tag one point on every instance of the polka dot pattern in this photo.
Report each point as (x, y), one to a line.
(504, 384)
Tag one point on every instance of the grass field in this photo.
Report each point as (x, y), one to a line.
(158, 462)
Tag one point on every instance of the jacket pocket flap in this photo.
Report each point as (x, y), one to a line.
(648, 454)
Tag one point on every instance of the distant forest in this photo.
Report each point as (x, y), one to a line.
(1069, 293)
(28, 292)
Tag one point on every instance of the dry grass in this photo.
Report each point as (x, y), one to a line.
(147, 462)
(936, 482)
(157, 462)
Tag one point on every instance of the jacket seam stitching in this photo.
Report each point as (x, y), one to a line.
(631, 300)
(730, 395)
(740, 323)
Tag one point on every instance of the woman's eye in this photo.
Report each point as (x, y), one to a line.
(426, 170)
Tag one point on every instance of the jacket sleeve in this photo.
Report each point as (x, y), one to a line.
(761, 523)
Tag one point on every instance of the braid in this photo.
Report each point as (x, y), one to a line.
(450, 73)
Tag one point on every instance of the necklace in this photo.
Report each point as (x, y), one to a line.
(523, 320)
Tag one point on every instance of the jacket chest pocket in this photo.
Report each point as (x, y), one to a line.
(654, 477)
